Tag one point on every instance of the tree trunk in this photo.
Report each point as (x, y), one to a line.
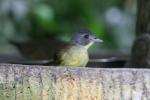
(143, 17)
(25, 82)
(140, 56)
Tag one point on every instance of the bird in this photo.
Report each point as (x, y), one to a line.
(75, 53)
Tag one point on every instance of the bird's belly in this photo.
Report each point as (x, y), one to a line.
(81, 60)
(77, 57)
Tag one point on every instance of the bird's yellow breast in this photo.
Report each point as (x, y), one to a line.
(74, 56)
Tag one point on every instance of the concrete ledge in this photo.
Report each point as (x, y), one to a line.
(25, 82)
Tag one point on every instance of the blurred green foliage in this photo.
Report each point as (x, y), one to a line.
(39, 19)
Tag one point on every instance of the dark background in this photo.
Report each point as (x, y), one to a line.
(34, 29)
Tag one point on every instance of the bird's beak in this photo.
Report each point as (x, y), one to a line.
(97, 40)
(94, 39)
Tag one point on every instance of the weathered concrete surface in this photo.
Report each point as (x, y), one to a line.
(22, 82)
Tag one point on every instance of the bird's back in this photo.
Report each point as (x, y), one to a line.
(72, 55)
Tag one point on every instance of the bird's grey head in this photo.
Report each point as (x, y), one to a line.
(84, 38)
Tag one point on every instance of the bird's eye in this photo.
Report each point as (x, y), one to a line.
(86, 36)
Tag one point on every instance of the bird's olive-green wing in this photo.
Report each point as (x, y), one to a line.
(59, 55)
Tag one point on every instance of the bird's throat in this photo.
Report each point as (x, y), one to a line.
(89, 45)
